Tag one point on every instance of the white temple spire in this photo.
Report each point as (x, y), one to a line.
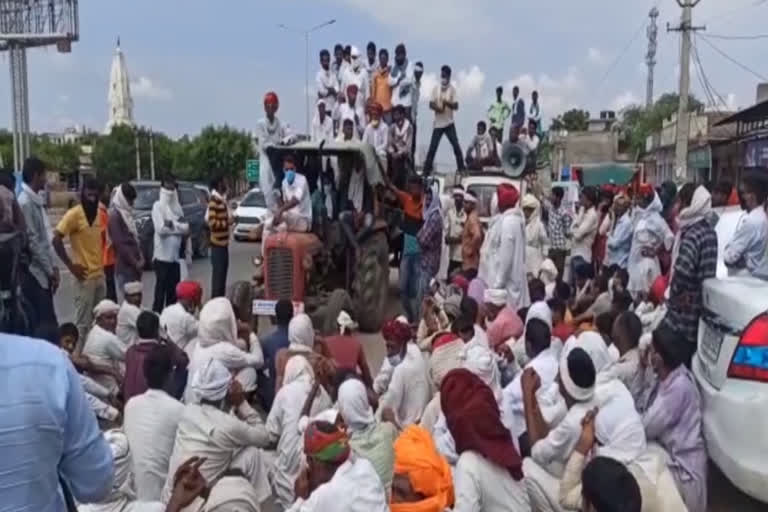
(120, 101)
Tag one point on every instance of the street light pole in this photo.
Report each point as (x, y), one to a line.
(306, 33)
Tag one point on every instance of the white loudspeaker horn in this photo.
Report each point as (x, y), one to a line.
(514, 159)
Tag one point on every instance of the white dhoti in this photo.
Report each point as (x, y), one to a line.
(254, 465)
(543, 487)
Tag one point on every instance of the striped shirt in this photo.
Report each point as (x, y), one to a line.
(218, 220)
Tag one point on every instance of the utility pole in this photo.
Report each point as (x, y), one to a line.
(152, 155)
(683, 124)
(138, 157)
(650, 57)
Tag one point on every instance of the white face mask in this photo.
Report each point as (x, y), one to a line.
(395, 359)
(356, 63)
(444, 82)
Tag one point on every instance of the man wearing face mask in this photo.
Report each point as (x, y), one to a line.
(402, 381)
(356, 74)
(443, 102)
(170, 229)
(82, 225)
(295, 212)
(401, 79)
(746, 251)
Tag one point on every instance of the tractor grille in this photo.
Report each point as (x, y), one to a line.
(280, 273)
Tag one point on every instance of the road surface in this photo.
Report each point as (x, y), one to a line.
(723, 496)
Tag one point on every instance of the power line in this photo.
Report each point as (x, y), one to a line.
(738, 38)
(726, 56)
(709, 90)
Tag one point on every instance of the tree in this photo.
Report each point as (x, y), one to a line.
(6, 149)
(63, 158)
(574, 120)
(114, 155)
(220, 150)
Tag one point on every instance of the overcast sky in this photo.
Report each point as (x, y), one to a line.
(195, 62)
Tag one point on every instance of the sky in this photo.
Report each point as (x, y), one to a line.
(193, 62)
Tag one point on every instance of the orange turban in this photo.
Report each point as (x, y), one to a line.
(429, 473)
(508, 196)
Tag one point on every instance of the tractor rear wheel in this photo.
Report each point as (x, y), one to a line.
(371, 285)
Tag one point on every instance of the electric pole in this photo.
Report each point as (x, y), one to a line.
(683, 124)
(138, 156)
(151, 155)
(650, 57)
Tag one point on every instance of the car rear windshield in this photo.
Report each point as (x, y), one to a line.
(146, 195)
(484, 195)
(254, 198)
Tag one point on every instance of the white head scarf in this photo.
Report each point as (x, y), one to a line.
(577, 392)
(541, 311)
(133, 288)
(217, 323)
(548, 272)
(700, 208)
(497, 297)
(106, 306)
(530, 201)
(123, 207)
(298, 368)
(481, 361)
(353, 405)
(301, 333)
(232, 494)
(594, 345)
(345, 322)
(210, 381)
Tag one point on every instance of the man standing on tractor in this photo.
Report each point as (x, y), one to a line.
(270, 133)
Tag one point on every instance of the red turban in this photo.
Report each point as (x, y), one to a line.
(375, 106)
(474, 421)
(396, 330)
(646, 189)
(659, 286)
(350, 88)
(443, 339)
(271, 99)
(189, 290)
(324, 446)
(461, 281)
(508, 196)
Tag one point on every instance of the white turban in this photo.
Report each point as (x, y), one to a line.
(481, 361)
(495, 296)
(541, 311)
(353, 405)
(594, 345)
(217, 323)
(577, 392)
(297, 368)
(470, 198)
(232, 493)
(548, 271)
(106, 306)
(345, 322)
(121, 454)
(210, 381)
(301, 333)
(133, 288)
(326, 416)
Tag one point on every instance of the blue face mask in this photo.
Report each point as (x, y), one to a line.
(290, 175)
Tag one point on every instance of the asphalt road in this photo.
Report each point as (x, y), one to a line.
(723, 496)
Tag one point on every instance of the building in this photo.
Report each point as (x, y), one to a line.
(71, 135)
(119, 98)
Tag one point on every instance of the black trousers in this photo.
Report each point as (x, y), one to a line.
(38, 301)
(437, 134)
(167, 276)
(109, 279)
(452, 267)
(219, 268)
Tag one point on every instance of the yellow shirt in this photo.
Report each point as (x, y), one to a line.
(85, 239)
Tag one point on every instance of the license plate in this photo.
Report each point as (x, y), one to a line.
(263, 307)
(711, 342)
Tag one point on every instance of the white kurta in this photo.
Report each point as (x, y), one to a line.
(482, 486)
(180, 326)
(536, 242)
(151, 421)
(232, 358)
(225, 441)
(269, 134)
(355, 487)
(651, 233)
(453, 226)
(104, 348)
(583, 232)
(506, 258)
(408, 391)
(126, 323)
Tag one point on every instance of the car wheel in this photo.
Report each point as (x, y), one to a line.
(239, 238)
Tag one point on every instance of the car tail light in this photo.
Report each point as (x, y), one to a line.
(750, 360)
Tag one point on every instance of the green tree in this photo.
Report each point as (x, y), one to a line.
(6, 149)
(574, 120)
(64, 158)
(114, 155)
(221, 150)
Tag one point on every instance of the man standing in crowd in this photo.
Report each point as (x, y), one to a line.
(338, 61)
(108, 251)
(619, 240)
(121, 227)
(559, 226)
(455, 218)
(371, 65)
(41, 279)
(322, 124)
(219, 222)
(471, 237)
(518, 114)
(356, 75)
(170, 229)
(401, 80)
(81, 224)
(270, 132)
(412, 203)
(444, 103)
(746, 251)
(326, 83)
(418, 71)
(534, 111)
(498, 113)
(381, 91)
(400, 144)
(694, 259)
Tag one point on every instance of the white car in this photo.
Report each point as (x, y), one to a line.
(731, 368)
(250, 215)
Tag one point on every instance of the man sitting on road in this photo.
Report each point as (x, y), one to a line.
(178, 320)
(129, 313)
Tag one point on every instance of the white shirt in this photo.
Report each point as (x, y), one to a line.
(355, 487)
(402, 86)
(207, 432)
(228, 354)
(584, 230)
(440, 96)
(151, 420)
(508, 248)
(322, 130)
(408, 391)
(344, 111)
(747, 248)
(453, 226)
(167, 240)
(269, 134)
(298, 190)
(482, 486)
(325, 80)
(126, 323)
(360, 79)
(179, 324)
(530, 142)
(513, 412)
(378, 137)
(562, 439)
(103, 347)
(627, 370)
